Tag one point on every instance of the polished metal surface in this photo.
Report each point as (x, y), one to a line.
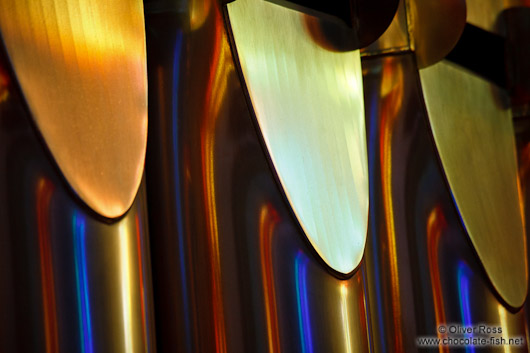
(485, 13)
(510, 21)
(69, 280)
(433, 36)
(396, 37)
(82, 69)
(392, 101)
(232, 271)
(365, 20)
(475, 139)
(308, 101)
(421, 269)
(211, 249)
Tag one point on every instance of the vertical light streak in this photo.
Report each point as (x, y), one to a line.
(523, 177)
(300, 265)
(178, 197)
(435, 226)
(463, 290)
(374, 230)
(141, 282)
(4, 85)
(83, 297)
(504, 325)
(220, 68)
(345, 317)
(366, 310)
(267, 224)
(392, 99)
(44, 194)
(125, 274)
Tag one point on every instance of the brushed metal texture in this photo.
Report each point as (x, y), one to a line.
(309, 105)
(475, 139)
(433, 36)
(69, 280)
(232, 270)
(82, 68)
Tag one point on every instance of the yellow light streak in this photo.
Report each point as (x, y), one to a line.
(504, 325)
(125, 274)
(345, 317)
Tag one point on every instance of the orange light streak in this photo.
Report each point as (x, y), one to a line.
(392, 99)
(220, 68)
(523, 177)
(435, 225)
(523, 173)
(4, 85)
(267, 223)
(44, 193)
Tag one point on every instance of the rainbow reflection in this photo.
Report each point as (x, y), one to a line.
(83, 298)
(464, 274)
(300, 269)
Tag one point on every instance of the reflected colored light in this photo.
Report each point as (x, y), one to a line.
(4, 85)
(125, 274)
(87, 88)
(220, 68)
(523, 176)
(304, 323)
(373, 219)
(392, 100)
(464, 274)
(345, 317)
(178, 197)
(365, 308)
(44, 194)
(475, 138)
(102, 30)
(436, 224)
(143, 303)
(267, 224)
(308, 103)
(83, 296)
(199, 11)
(504, 325)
